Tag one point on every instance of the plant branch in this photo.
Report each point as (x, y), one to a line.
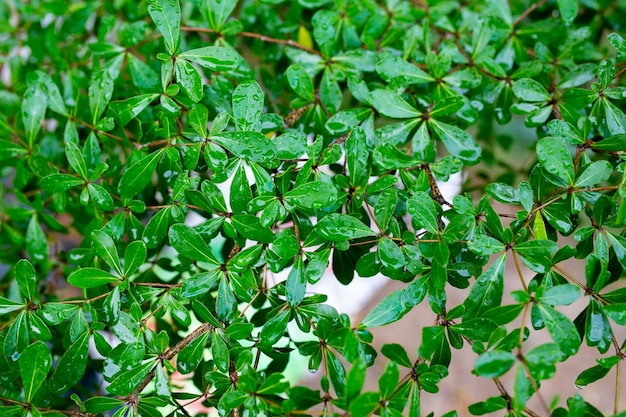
(263, 38)
(528, 11)
(170, 353)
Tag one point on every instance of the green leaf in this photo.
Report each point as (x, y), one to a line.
(162, 383)
(34, 363)
(560, 295)
(166, 17)
(385, 207)
(218, 12)
(139, 174)
(390, 104)
(485, 245)
(300, 82)
(479, 328)
(487, 291)
(34, 106)
(490, 405)
(199, 284)
(274, 328)
(390, 254)
(156, 229)
(144, 77)
(71, 367)
(111, 307)
(596, 372)
(619, 246)
(565, 131)
(541, 359)
(539, 227)
(248, 105)
(594, 173)
(75, 158)
(568, 10)
(188, 242)
(17, 337)
(396, 353)
(251, 146)
(312, 195)
(614, 143)
(226, 305)
(341, 122)
(357, 156)
(616, 312)
(493, 364)
(215, 58)
(220, 352)
(189, 79)
(561, 329)
(389, 310)
(556, 159)
(296, 283)
(128, 109)
(447, 106)
(330, 92)
(189, 358)
(26, 278)
(100, 92)
(100, 197)
(7, 306)
(251, 228)
(90, 278)
(198, 118)
(457, 141)
(11, 410)
(290, 145)
(104, 246)
(275, 384)
(615, 118)
(36, 241)
(391, 67)
(527, 89)
(390, 157)
(618, 42)
(336, 227)
(100, 404)
(537, 254)
(424, 211)
(598, 330)
(240, 192)
(325, 27)
(238, 331)
(10, 150)
(365, 404)
(435, 346)
(125, 382)
(503, 193)
(134, 257)
(55, 100)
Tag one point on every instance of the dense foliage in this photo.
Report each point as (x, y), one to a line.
(163, 161)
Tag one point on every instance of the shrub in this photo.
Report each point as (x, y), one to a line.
(161, 162)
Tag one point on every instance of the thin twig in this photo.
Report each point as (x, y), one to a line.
(528, 11)
(203, 328)
(519, 271)
(269, 39)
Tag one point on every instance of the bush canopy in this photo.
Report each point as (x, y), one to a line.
(164, 163)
